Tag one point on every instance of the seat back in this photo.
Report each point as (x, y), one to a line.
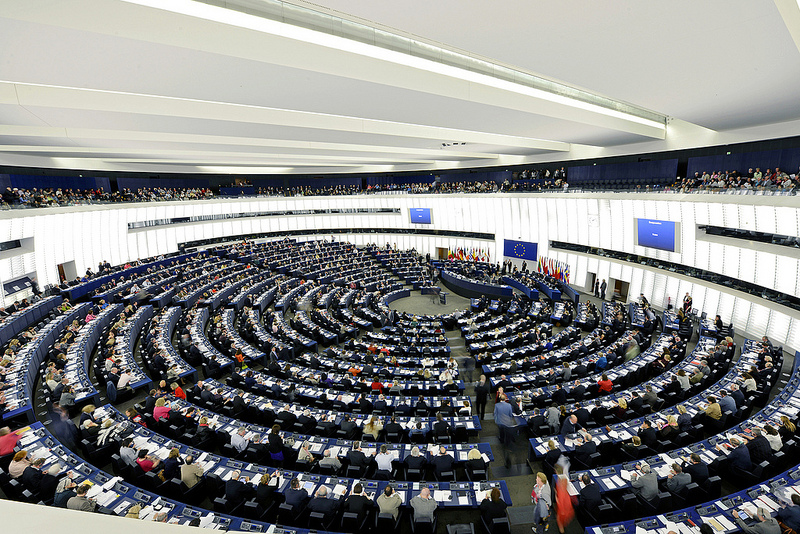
(500, 525)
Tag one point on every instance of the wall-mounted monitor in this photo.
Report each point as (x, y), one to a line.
(420, 215)
(663, 235)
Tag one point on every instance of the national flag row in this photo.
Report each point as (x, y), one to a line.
(469, 254)
(556, 269)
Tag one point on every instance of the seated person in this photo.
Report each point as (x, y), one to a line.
(322, 504)
(493, 506)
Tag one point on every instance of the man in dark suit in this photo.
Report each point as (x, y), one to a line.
(349, 427)
(577, 391)
(421, 405)
(393, 427)
(322, 504)
(481, 396)
(559, 396)
(357, 502)
(647, 434)
(589, 498)
(441, 427)
(739, 456)
(328, 426)
(696, 469)
(737, 395)
(380, 404)
(599, 412)
(237, 404)
(759, 447)
(295, 496)
(364, 405)
(442, 462)
(357, 457)
(585, 449)
(237, 491)
(570, 425)
(32, 475)
(307, 420)
(583, 416)
(636, 403)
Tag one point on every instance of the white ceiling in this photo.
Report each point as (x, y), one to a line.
(111, 85)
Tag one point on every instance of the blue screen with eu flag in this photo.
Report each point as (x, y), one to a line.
(524, 250)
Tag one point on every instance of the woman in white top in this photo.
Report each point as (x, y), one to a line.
(774, 438)
(749, 383)
(384, 460)
(683, 380)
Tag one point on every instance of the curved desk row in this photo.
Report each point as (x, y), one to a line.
(29, 359)
(471, 288)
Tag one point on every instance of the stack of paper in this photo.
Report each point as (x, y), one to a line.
(442, 495)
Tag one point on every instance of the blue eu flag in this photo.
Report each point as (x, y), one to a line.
(523, 250)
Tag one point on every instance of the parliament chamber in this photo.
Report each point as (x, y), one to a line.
(292, 267)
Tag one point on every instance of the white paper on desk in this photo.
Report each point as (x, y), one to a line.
(339, 490)
(94, 491)
(769, 503)
(256, 479)
(624, 435)
(485, 457)
(480, 495)
(202, 457)
(110, 484)
(442, 495)
(433, 448)
(140, 441)
(228, 475)
(568, 442)
(206, 520)
(613, 434)
(541, 449)
(626, 475)
(146, 513)
(316, 447)
(725, 522)
(666, 458)
(571, 489)
(463, 500)
(618, 481)
(122, 507)
(662, 471)
(107, 498)
(609, 482)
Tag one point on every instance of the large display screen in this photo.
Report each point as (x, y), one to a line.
(657, 234)
(420, 215)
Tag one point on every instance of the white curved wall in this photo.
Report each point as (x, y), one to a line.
(90, 234)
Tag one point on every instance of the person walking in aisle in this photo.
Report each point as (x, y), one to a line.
(481, 396)
(603, 288)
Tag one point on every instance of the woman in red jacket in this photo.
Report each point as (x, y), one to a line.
(605, 384)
